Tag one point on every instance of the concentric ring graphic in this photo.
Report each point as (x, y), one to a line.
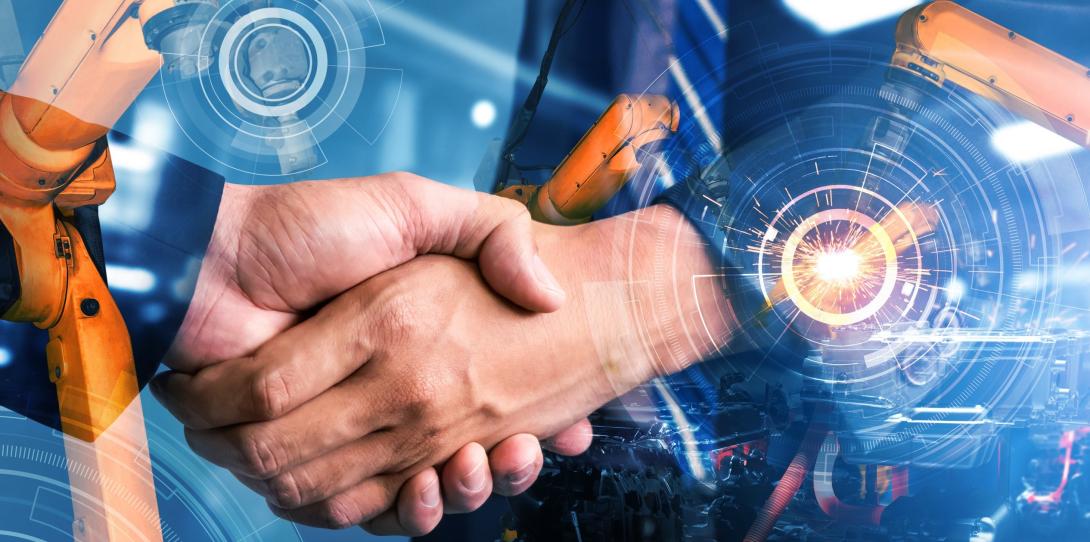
(231, 51)
(839, 266)
(282, 77)
(877, 253)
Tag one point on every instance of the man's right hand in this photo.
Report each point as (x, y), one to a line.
(280, 252)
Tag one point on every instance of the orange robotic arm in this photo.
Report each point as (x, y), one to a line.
(943, 41)
(55, 169)
(601, 163)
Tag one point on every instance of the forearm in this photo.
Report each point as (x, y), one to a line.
(644, 289)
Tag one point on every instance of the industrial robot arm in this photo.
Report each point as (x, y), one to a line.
(55, 170)
(601, 163)
(944, 42)
(93, 60)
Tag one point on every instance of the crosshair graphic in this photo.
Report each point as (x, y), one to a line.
(875, 252)
(196, 501)
(840, 237)
(279, 78)
(836, 263)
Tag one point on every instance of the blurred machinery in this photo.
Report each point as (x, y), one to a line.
(278, 64)
(913, 410)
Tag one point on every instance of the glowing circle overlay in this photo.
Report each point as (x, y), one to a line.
(252, 22)
(215, 108)
(791, 129)
(890, 268)
(803, 302)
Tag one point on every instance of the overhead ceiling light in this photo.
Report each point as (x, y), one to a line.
(130, 279)
(483, 114)
(154, 125)
(130, 158)
(1027, 141)
(832, 16)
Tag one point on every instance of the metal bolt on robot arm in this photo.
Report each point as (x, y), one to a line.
(944, 42)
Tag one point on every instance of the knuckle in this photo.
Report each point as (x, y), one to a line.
(402, 321)
(423, 449)
(285, 491)
(402, 177)
(337, 513)
(393, 184)
(513, 210)
(260, 456)
(270, 393)
(420, 396)
(399, 185)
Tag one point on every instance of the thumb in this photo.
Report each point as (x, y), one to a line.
(496, 231)
(511, 265)
(573, 440)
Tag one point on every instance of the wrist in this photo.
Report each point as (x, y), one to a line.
(645, 289)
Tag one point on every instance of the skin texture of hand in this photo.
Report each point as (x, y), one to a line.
(280, 252)
(423, 358)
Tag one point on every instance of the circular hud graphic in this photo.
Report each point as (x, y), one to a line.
(278, 78)
(196, 503)
(878, 254)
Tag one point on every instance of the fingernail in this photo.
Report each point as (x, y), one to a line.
(429, 496)
(545, 277)
(474, 481)
(520, 476)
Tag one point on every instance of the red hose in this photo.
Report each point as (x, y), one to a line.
(790, 483)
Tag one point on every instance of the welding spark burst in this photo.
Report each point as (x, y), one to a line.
(841, 262)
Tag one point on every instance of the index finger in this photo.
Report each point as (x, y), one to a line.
(288, 371)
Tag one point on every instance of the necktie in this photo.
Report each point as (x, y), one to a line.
(697, 71)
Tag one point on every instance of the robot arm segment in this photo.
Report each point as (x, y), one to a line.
(602, 162)
(943, 41)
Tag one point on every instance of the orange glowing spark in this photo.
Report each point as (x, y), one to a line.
(837, 266)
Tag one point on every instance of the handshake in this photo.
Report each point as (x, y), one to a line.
(379, 351)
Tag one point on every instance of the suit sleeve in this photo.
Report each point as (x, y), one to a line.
(709, 204)
(156, 228)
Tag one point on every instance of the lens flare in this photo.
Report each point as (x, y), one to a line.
(839, 266)
(841, 255)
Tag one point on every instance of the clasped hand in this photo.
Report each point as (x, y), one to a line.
(331, 366)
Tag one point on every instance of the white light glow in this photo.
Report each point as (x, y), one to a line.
(131, 158)
(839, 266)
(955, 290)
(1028, 141)
(154, 125)
(832, 16)
(483, 114)
(5, 357)
(130, 279)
